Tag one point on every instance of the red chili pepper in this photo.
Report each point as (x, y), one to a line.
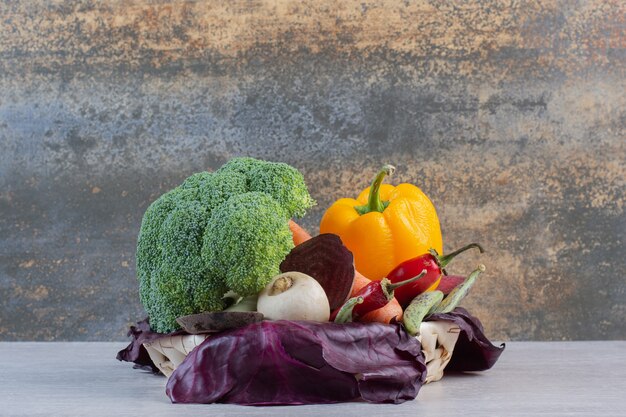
(373, 296)
(434, 265)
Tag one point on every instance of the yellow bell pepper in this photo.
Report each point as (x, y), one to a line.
(385, 225)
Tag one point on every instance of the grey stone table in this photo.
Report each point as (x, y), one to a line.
(531, 378)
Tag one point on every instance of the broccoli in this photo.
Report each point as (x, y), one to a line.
(215, 233)
(246, 240)
(169, 263)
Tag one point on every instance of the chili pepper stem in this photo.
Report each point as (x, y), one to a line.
(391, 287)
(374, 203)
(445, 260)
(345, 312)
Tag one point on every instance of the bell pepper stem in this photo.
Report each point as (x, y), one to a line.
(445, 260)
(374, 203)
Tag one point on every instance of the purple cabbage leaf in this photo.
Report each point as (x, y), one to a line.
(473, 351)
(300, 362)
(135, 352)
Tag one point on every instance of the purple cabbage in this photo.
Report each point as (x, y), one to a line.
(135, 352)
(288, 362)
(473, 351)
(300, 362)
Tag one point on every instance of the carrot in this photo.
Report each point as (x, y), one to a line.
(360, 281)
(299, 234)
(382, 315)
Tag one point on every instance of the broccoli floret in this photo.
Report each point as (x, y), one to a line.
(169, 262)
(195, 180)
(281, 181)
(285, 184)
(242, 165)
(148, 244)
(246, 240)
(219, 187)
(181, 238)
(211, 235)
(215, 188)
(177, 295)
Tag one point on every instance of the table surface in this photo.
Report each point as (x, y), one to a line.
(531, 378)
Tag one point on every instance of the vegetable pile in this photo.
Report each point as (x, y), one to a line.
(288, 318)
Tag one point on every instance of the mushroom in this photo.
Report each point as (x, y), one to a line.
(294, 296)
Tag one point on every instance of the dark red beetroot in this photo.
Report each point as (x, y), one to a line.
(326, 259)
(449, 282)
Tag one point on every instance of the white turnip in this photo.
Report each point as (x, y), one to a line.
(294, 296)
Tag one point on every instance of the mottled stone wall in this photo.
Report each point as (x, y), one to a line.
(510, 115)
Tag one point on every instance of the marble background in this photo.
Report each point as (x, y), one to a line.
(510, 115)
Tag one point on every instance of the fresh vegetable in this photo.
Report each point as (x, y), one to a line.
(433, 302)
(457, 294)
(385, 225)
(303, 362)
(390, 313)
(299, 234)
(360, 281)
(245, 241)
(344, 313)
(420, 307)
(434, 265)
(387, 314)
(473, 351)
(244, 304)
(378, 293)
(294, 296)
(326, 259)
(217, 321)
(135, 352)
(216, 232)
(449, 282)
(283, 182)
(373, 296)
